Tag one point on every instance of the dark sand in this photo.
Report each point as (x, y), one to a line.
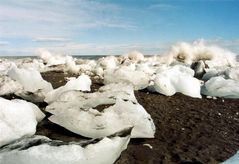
(188, 130)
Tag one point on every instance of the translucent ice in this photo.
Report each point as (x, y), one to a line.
(78, 113)
(41, 150)
(174, 79)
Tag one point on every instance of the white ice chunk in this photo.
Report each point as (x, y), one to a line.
(18, 118)
(31, 80)
(78, 112)
(138, 79)
(9, 86)
(94, 124)
(220, 87)
(177, 79)
(25, 151)
(82, 83)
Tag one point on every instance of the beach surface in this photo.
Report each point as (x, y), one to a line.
(188, 130)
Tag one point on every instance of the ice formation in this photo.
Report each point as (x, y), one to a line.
(34, 86)
(42, 150)
(78, 113)
(18, 118)
(82, 83)
(174, 79)
(221, 87)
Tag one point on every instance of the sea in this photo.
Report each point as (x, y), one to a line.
(89, 57)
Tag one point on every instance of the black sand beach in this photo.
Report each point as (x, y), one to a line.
(188, 130)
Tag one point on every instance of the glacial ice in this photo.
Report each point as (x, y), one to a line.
(78, 113)
(41, 150)
(34, 86)
(18, 118)
(174, 79)
(82, 83)
(139, 79)
(221, 87)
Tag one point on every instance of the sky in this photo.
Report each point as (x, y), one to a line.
(112, 27)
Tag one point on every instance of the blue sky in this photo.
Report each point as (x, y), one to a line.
(83, 27)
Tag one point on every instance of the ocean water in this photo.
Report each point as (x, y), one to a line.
(89, 57)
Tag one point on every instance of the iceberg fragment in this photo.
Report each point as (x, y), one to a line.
(174, 79)
(42, 150)
(77, 112)
(220, 87)
(18, 118)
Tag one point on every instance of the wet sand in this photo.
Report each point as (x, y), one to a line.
(188, 130)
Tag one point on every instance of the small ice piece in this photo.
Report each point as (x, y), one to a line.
(18, 118)
(82, 83)
(138, 79)
(220, 87)
(42, 150)
(77, 112)
(176, 79)
(233, 160)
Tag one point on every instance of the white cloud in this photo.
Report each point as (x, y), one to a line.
(50, 39)
(59, 18)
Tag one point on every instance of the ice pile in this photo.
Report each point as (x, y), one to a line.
(77, 112)
(42, 150)
(18, 118)
(174, 79)
(82, 83)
